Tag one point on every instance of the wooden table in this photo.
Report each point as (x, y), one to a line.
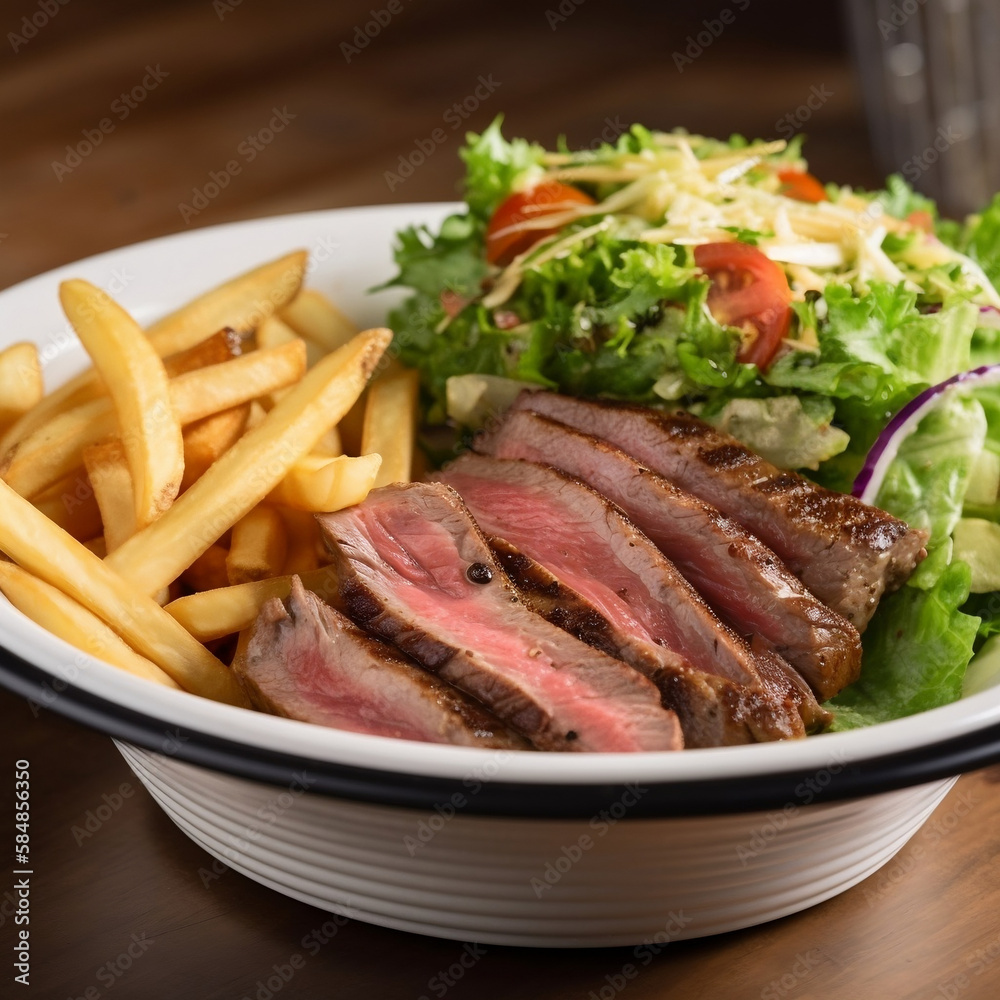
(129, 908)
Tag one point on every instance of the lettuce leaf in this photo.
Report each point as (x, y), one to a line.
(982, 239)
(899, 199)
(430, 262)
(493, 165)
(793, 432)
(916, 650)
(877, 351)
(925, 485)
(921, 639)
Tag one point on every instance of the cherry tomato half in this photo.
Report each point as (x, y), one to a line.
(921, 219)
(502, 245)
(749, 291)
(801, 186)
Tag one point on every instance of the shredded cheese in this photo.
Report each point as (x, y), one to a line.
(686, 191)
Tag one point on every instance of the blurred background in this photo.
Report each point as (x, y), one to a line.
(117, 114)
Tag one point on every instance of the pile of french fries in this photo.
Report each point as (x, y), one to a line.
(151, 505)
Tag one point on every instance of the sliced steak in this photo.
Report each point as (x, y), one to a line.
(589, 545)
(307, 661)
(416, 571)
(740, 577)
(713, 711)
(846, 552)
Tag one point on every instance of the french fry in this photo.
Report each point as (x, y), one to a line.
(259, 546)
(21, 385)
(329, 445)
(304, 543)
(257, 415)
(68, 396)
(323, 484)
(246, 473)
(70, 621)
(390, 420)
(208, 571)
(139, 388)
(352, 425)
(56, 449)
(98, 546)
(109, 475)
(212, 614)
(313, 316)
(222, 346)
(45, 550)
(240, 303)
(273, 333)
(70, 503)
(208, 438)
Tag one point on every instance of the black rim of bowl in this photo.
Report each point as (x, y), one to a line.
(785, 791)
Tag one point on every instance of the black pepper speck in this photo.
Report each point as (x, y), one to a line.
(479, 573)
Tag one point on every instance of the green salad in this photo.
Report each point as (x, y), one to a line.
(721, 277)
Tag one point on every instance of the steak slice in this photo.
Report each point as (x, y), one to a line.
(416, 570)
(739, 576)
(589, 545)
(713, 711)
(846, 552)
(307, 661)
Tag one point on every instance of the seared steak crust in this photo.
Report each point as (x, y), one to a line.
(846, 552)
(713, 711)
(416, 571)
(589, 545)
(740, 577)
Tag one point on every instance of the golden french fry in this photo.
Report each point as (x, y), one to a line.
(257, 415)
(56, 449)
(246, 473)
(98, 546)
(329, 445)
(240, 304)
(273, 333)
(107, 469)
(323, 484)
(139, 389)
(70, 503)
(207, 439)
(258, 547)
(304, 542)
(212, 614)
(208, 571)
(222, 346)
(70, 621)
(68, 396)
(390, 425)
(313, 316)
(44, 549)
(351, 426)
(21, 385)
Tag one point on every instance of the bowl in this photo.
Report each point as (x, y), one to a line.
(566, 850)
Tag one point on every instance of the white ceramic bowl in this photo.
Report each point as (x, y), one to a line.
(526, 849)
